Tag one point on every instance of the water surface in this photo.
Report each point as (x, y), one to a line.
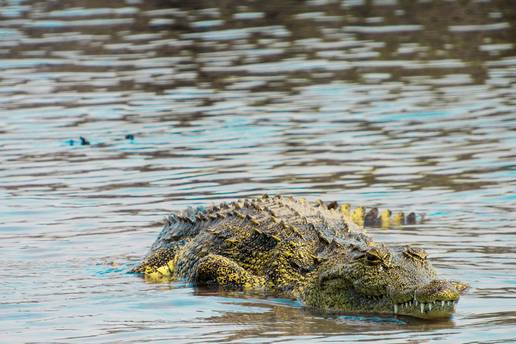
(406, 105)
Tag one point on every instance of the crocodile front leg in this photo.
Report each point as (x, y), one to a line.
(158, 266)
(220, 272)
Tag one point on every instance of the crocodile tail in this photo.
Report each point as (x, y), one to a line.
(373, 217)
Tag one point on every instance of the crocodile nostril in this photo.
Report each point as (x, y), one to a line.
(460, 286)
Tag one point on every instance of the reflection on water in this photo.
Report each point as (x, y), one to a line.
(406, 104)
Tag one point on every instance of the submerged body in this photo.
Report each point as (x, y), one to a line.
(289, 247)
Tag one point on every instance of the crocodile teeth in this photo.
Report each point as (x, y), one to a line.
(422, 307)
(429, 307)
(415, 302)
(442, 303)
(448, 303)
(395, 309)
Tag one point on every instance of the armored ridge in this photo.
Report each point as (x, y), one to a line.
(290, 247)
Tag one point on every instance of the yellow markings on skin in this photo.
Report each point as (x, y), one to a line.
(171, 265)
(154, 277)
(275, 237)
(257, 231)
(160, 274)
(358, 216)
(398, 219)
(164, 270)
(345, 210)
(295, 230)
(231, 241)
(284, 274)
(385, 218)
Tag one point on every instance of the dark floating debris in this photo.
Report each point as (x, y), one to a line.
(84, 141)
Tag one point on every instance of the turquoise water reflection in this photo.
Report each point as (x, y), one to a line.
(392, 104)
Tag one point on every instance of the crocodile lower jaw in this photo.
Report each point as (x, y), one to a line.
(426, 310)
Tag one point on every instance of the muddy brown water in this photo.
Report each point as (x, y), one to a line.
(403, 104)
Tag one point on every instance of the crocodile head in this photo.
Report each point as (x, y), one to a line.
(378, 279)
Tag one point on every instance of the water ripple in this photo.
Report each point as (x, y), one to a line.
(380, 103)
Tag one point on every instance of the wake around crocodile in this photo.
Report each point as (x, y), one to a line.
(310, 251)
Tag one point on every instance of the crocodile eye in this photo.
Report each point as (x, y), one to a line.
(375, 257)
(369, 258)
(415, 253)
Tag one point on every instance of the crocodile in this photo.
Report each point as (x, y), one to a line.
(312, 251)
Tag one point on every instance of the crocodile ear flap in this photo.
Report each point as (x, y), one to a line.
(415, 253)
(369, 257)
